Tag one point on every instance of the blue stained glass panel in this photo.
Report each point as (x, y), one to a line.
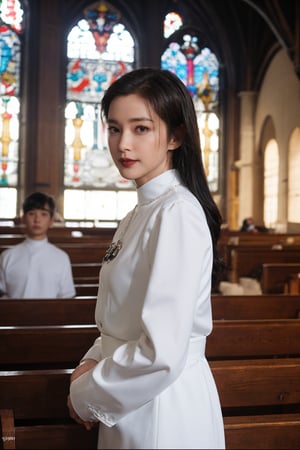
(100, 50)
(199, 71)
(11, 19)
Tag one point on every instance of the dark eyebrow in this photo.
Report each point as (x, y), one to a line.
(40, 209)
(134, 119)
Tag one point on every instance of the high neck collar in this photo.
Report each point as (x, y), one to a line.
(36, 243)
(157, 186)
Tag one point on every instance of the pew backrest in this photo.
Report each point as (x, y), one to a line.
(38, 399)
(79, 253)
(39, 396)
(238, 339)
(86, 288)
(275, 276)
(80, 310)
(44, 346)
(247, 261)
(255, 306)
(51, 346)
(62, 311)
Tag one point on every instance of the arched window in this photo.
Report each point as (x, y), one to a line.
(198, 68)
(100, 49)
(11, 20)
(271, 167)
(294, 178)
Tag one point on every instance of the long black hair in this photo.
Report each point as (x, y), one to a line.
(172, 102)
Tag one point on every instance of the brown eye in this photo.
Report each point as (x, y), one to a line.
(142, 128)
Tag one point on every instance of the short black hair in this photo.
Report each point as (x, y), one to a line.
(39, 200)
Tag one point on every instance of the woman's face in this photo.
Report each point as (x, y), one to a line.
(138, 139)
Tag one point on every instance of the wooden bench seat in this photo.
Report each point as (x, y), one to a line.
(36, 400)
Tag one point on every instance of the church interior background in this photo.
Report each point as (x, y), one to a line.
(240, 60)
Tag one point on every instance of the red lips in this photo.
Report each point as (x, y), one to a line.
(127, 162)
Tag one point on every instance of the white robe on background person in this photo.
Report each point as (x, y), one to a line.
(36, 269)
(152, 387)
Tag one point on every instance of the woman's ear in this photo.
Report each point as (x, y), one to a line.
(176, 138)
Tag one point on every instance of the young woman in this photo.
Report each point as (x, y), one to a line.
(146, 379)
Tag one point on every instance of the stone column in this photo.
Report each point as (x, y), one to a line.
(246, 162)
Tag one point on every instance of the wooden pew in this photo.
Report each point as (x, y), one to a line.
(13, 239)
(247, 261)
(293, 284)
(265, 390)
(64, 231)
(230, 239)
(239, 339)
(241, 238)
(260, 402)
(246, 339)
(39, 312)
(101, 232)
(271, 432)
(50, 346)
(80, 253)
(34, 413)
(265, 306)
(63, 346)
(86, 289)
(86, 273)
(269, 389)
(85, 253)
(275, 276)
(80, 310)
(86, 270)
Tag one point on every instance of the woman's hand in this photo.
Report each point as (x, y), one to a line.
(85, 366)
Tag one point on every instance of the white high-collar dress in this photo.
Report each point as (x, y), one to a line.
(152, 387)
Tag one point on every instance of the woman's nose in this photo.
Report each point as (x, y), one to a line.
(125, 141)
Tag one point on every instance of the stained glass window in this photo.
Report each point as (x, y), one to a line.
(172, 23)
(100, 49)
(198, 68)
(11, 15)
